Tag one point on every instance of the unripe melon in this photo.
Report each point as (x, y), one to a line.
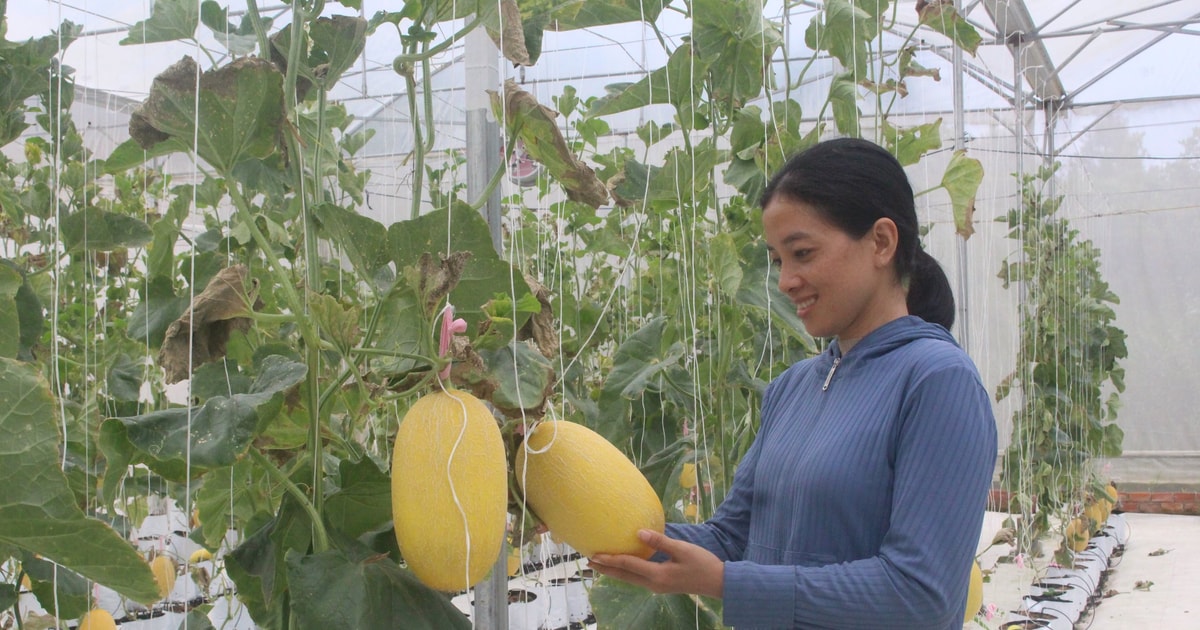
(1077, 535)
(687, 476)
(97, 619)
(1095, 513)
(586, 491)
(164, 574)
(449, 490)
(974, 593)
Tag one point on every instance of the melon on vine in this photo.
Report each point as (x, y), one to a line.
(449, 490)
(586, 491)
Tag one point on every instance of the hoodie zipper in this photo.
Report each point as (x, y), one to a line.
(832, 369)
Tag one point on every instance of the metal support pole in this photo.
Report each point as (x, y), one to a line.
(483, 158)
(483, 134)
(960, 244)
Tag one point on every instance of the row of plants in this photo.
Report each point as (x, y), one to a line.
(634, 297)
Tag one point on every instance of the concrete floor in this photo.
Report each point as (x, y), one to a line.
(1154, 584)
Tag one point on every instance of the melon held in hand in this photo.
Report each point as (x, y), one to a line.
(586, 491)
(449, 490)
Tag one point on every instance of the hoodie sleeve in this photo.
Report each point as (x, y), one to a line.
(945, 452)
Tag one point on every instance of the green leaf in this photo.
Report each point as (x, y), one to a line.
(725, 268)
(149, 321)
(575, 14)
(622, 606)
(239, 40)
(944, 18)
(57, 585)
(844, 30)
(363, 239)
(843, 97)
(676, 83)
(231, 495)
(240, 107)
(169, 20)
(196, 620)
(8, 592)
(522, 377)
(124, 379)
(735, 40)
(257, 566)
(10, 283)
(911, 144)
(363, 502)
(338, 41)
(221, 430)
(962, 179)
(353, 588)
(484, 273)
(638, 364)
(94, 229)
(38, 512)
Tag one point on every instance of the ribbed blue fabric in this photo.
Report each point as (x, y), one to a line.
(859, 505)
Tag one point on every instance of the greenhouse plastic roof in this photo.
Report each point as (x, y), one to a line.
(1070, 52)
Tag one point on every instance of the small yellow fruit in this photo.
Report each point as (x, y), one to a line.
(26, 585)
(1077, 535)
(974, 593)
(687, 476)
(164, 574)
(514, 561)
(690, 511)
(200, 555)
(1112, 498)
(586, 491)
(449, 490)
(1095, 515)
(97, 619)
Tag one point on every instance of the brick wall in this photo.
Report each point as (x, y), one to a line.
(1144, 498)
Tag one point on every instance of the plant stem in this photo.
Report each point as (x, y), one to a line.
(442, 46)
(264, 43)
(320, 537)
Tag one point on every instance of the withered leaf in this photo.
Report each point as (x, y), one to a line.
(215, 312)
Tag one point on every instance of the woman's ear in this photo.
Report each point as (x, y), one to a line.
(885, 238)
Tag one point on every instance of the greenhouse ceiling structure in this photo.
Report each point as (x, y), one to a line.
(595, 161)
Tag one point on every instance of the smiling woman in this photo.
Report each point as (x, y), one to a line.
(843, 514)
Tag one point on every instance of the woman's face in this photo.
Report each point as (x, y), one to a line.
(842, 287)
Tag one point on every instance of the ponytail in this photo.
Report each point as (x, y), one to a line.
(929, 295)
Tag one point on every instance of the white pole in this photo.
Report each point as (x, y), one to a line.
(483, 158)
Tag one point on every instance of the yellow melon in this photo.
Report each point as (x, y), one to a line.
(514, 561)
(1112, 497)
(1095, 514)
(449, 490)
(974, 593)
(163, 568)
(200, 555)
(97, 619)
(687, 476)
(586, 491)
(1077, 535)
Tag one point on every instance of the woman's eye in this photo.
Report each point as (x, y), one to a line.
(776, 262)
(801, 254)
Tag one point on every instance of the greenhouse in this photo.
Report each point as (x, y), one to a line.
(397, 314)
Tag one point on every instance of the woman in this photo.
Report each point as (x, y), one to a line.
(860, 502)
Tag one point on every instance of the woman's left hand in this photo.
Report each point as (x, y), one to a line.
(688, 569)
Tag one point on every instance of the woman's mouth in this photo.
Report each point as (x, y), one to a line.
(803, 306)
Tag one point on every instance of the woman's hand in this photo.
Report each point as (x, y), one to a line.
(688, 569)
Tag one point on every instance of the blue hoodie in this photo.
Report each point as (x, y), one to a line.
(860, 503)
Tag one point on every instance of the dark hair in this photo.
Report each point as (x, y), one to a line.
(853, 183)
